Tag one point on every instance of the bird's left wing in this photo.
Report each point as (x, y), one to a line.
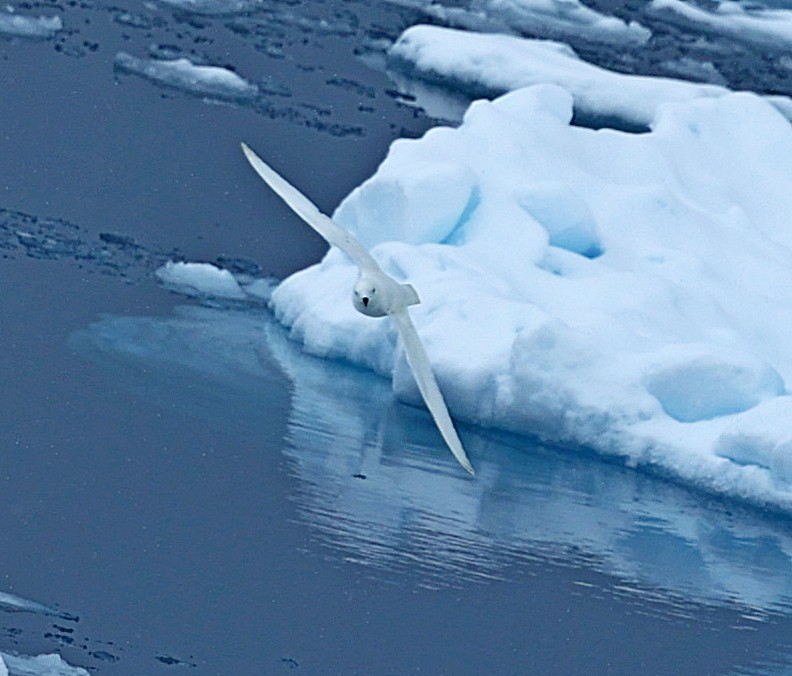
(427, 385)
(309, 212)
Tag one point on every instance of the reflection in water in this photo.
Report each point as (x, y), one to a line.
(379, 487)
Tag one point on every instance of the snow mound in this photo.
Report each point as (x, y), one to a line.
(622, 291)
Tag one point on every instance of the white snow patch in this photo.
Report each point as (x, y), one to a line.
(211, 82)
(489, 65)
(200, 279)
(626, 292)
(20, 26)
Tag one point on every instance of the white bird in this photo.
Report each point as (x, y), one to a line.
(376, 295)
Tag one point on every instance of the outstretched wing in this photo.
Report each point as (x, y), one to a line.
(308, 211)
(427, 384)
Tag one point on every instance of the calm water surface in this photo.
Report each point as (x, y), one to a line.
(208, 499)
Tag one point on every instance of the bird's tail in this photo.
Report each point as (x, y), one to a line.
(412, 295)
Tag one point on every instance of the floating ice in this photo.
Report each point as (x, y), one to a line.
(39, 665)
(752, 24)
(19, 26)
(17, 604)
(553, 18)
(200, 279)
(212, 7)
(620, 291)
(210, 82)
(489, 65)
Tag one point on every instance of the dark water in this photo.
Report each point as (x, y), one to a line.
(206, 498)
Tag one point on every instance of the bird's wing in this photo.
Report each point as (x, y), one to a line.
(427, 384)
(309, 212)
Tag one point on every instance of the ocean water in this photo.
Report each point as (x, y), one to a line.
(195, 494)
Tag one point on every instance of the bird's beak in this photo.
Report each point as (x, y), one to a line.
(365, 301)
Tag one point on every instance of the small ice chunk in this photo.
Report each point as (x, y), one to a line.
(29, 26)
(211, 82)
(39, 665)
(17, 604)
(200, 279)
(212, 7)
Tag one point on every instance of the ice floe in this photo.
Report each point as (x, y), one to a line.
(489, 64)
(745, 22)
(549, 18)
(212, 82)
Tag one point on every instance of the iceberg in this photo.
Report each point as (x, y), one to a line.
(488, 65)
(622, 292)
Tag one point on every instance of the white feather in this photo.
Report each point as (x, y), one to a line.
(396, 299)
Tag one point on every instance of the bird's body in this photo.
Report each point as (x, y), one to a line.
(375, 294)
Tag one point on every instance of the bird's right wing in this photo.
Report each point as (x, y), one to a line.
(309, 212)
(427, 385)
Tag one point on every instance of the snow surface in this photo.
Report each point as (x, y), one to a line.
(489, 65)
(552, 18)
(751, 24)
(16, 25)
(211, 82)
(624, 292)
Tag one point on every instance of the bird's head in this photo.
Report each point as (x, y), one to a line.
(366, 298)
